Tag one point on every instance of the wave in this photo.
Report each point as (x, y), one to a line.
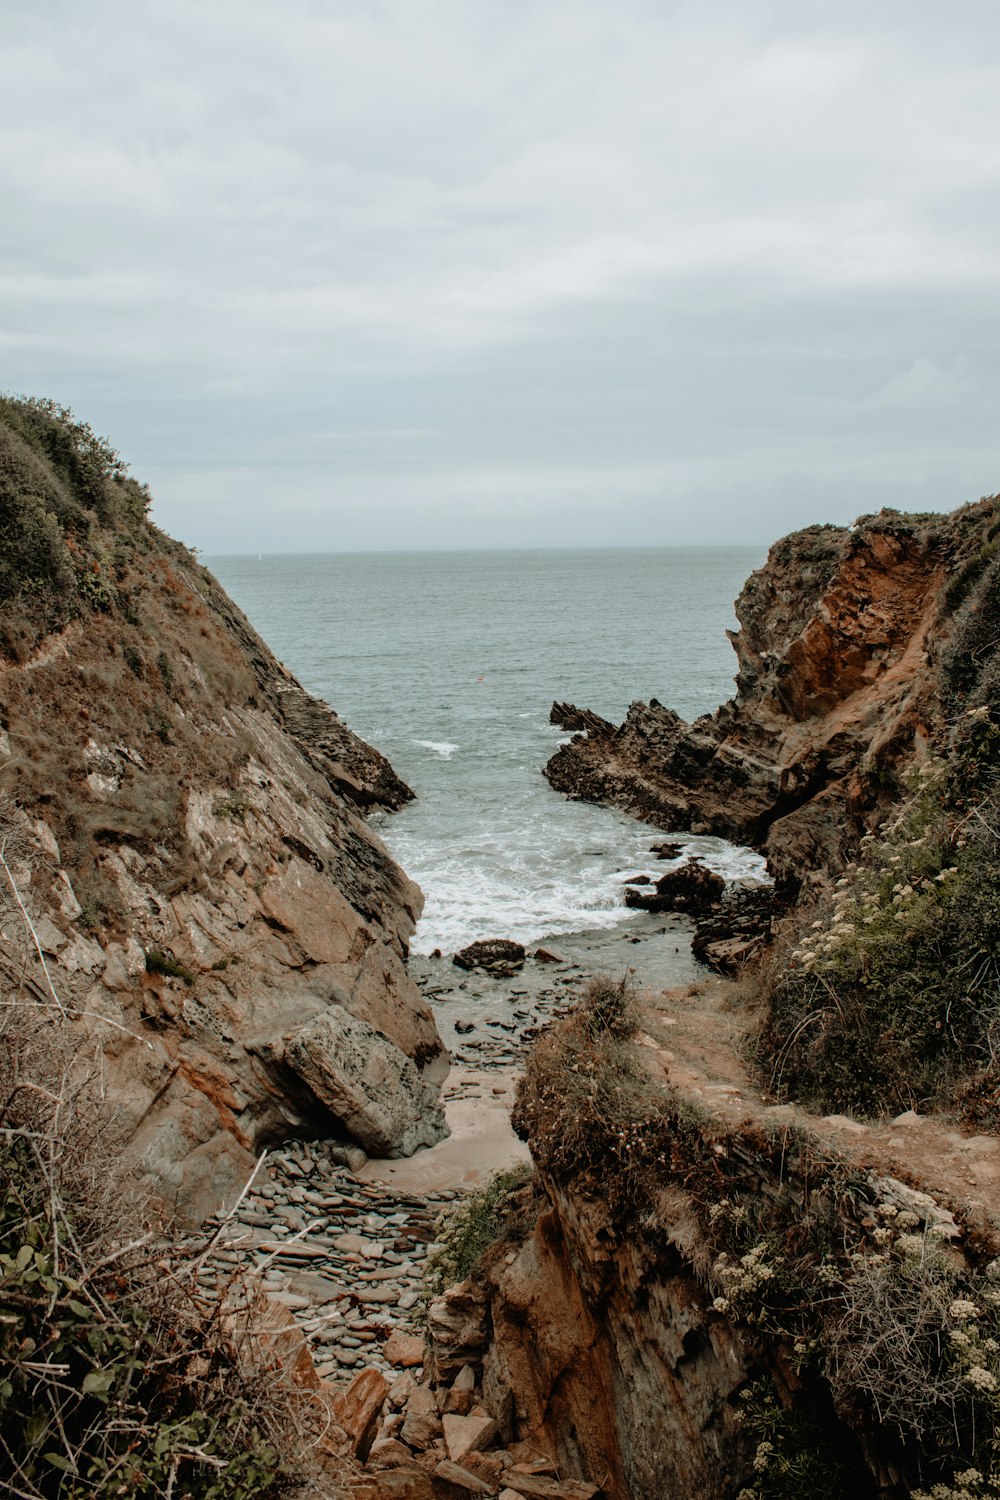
(444, 748)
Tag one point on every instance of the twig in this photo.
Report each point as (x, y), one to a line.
(31, 928)
(195, 1264)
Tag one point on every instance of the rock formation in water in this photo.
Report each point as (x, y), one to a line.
(184, 827)
(839, 687)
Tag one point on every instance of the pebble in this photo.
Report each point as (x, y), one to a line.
(354, 1277)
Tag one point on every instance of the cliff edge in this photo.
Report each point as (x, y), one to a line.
(844, 635)
(187, 871)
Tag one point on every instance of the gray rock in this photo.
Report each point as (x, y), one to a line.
(366, 1083)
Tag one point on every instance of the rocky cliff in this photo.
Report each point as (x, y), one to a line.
(187, 870)
(714, 1296)
(839, 688)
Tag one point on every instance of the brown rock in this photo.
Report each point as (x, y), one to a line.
(498, 955)
(404, 1349)
(464, 1435)
(462, 1480)
(357, 1409)
(540, 1487)
(396, 1484)
(389, 1453)
(422, 1423)
(456, 1330)
(837, 686)
(366, 1082)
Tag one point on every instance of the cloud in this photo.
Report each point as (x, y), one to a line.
(544, 234)
(923, 383)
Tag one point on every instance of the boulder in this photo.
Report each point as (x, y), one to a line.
(495, 955)
(366, 1083)
(690, 888)
(405, 1350)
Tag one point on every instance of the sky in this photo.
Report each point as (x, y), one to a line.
(366, 274)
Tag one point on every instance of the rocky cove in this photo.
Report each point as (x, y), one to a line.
(733, 1270)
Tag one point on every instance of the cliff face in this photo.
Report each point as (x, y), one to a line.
(184, 827)
(722, 1297)
(838, 690)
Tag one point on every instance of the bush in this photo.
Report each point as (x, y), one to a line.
(115, 1379)
(63, 491)
(162, 963)
(892, 997)
(472, 1226)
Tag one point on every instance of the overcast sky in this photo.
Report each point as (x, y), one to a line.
(422, 273)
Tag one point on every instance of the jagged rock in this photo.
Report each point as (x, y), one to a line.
(467, 1434)
(199, 870)
(422, 1422)
(460, 1480)
(409, 1483)
(543, 956)
(357, 1409)
(692, 888)
(729, 937)
(666, 850)
(837, 689)
(568, 716)
(456, 1331)
(389, 1453)
(540, 1486)
(496, 955)
(367, 1084)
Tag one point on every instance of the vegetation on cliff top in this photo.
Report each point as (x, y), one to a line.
(887, 993)
(871, 1325)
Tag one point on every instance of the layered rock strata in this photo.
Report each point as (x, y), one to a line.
(837, 692)
(188, 875)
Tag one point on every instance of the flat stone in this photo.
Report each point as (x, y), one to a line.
(540, 1487)
(453, 1473)
(404, 1349)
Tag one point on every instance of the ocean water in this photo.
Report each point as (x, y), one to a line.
(449, 662)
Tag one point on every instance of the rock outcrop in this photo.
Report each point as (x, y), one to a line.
(838, 690)
(184, 829)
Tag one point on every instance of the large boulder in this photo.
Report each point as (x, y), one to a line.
(367, 1084)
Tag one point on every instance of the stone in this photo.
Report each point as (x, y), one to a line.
(421, 1424)
(465, 1482)
(409, 1483)
(404, 1349)
(467, 1434)
(372, 1088)
(541, 1487)
(456, 1330)
(389, 1453)
(357, 1409)
(498, 955)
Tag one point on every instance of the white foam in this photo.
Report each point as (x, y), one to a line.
(444, 748)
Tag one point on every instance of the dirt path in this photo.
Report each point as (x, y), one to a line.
(695, 1036)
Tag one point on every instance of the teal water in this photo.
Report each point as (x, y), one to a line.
(449, 663)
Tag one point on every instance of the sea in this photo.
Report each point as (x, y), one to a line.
(449, 663)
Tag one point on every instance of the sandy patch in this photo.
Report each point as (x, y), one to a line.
(477, 1109)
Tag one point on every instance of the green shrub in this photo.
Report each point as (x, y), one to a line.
(163, 963)
(61, 487)
(471, 1227)
(891, 998)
